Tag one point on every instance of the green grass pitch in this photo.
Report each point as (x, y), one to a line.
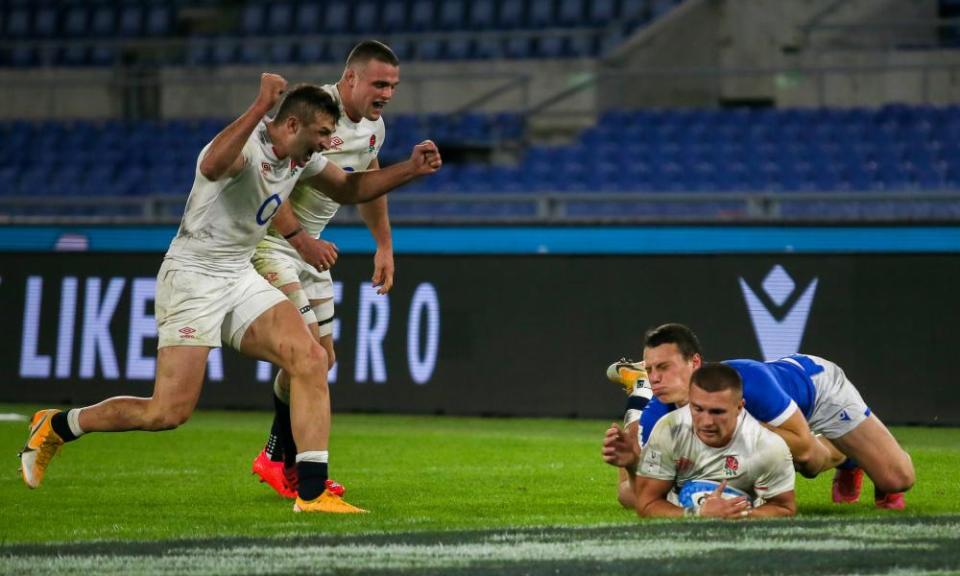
(447, 496)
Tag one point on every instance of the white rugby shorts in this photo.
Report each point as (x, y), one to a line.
(194, 308)
(839, 408)
(281, 267)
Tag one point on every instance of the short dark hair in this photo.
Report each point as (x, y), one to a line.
(674, 333)
(304, 101)
(716, 377)
(368, 50)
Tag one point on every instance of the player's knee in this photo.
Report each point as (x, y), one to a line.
(309, 360)
(898, 478)
(303, 357)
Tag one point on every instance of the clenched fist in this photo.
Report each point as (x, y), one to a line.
(272, 87)
(426, 158)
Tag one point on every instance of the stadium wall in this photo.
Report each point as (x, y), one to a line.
(522, 326)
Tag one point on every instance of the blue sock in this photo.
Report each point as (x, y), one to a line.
(848, 464)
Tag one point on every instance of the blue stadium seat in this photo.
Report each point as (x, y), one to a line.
(103, 23)
(571, 13)
(281, 51)
(601, 12)
(429, 49)
(365, 16)
(279, 19)
(198, 51)
(550, 46)
(481, 16)
(45, 22)
(510, 14)
(422, 14)
(459, 48)
(103, 55)
(223, 51)
(159, 20)
(488, 48)
(336, 17)
(541, 14)
(661, 7)
(75, 22)
(253, 18)
(394, 16)
(338, 49)
(22, 56)
(634, 9)
(311, 52)
(518, 47)
(452, 15)
(131, 22)
(307, 18)
(18, 23)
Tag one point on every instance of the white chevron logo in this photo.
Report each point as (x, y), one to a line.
(779, 338)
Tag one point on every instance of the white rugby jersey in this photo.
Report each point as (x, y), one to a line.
(353, 147)
(225, 219)
(756, 460)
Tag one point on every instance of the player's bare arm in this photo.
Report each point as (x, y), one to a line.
(810, 457)
(320, 254)
(375, 216)
(778, 506)
(224, 158)
(359, 187)
(651, 498)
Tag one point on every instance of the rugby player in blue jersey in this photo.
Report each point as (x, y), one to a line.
(796, 397)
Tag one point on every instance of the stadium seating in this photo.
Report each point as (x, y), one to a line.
(895, 149)
(89, 31)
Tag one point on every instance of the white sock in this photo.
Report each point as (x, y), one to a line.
(314, 456)
(279, 392)
(73, 420)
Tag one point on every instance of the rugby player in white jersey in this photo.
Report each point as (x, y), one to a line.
(368, 82)
(714, 438)
(806, 400)
(209, 293)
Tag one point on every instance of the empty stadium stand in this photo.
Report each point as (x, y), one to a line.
(208, 33)
(631, 164)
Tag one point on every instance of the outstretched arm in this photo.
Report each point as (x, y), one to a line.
(377, 219)
(359, 187)
(780, 505)
(651, 498)
(224, 158)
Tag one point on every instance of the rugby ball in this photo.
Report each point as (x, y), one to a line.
(694, 492)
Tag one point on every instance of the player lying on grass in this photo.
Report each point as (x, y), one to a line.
(209, 293)
(796, 397)
(712, 438)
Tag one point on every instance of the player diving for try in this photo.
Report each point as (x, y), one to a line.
(713, 439)
(795, 397)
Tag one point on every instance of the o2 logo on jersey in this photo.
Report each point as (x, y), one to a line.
(268, 209)
(779, 337)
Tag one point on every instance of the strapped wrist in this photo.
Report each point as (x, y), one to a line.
(296, 231)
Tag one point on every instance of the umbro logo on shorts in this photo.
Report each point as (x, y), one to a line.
(187, 332)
